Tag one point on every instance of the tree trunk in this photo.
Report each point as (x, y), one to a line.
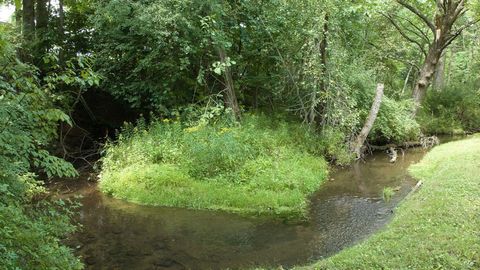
(318, 104)
(41, 15)
(439, 80)
(357, 145)
(28, 19)
(41, 29)
(427, 72)
(28, 30)
(61, 29)
(229, 96)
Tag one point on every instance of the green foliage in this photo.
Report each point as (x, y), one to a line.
(395, 122)
(334, 147)
(261, 167)
(30, 232)
(452, 110)
(150, 51)
(29, 119)
(169, 53)
(422, 235)
(31, 228)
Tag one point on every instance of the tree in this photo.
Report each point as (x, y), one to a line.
(229, 95)
(357, 145)
(28, 26)
(41, 28)
(444, 32)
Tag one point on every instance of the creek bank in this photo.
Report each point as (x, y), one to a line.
(436, 227)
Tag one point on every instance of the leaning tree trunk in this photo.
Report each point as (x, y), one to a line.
(229, 96)
(357, 145)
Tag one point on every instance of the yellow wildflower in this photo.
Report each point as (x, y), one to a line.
(223, 130)
(192, 129)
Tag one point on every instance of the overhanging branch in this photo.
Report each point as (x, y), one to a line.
(417, 12)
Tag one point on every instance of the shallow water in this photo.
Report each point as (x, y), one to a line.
(348, 207)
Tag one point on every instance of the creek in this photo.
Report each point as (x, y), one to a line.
(347, 208)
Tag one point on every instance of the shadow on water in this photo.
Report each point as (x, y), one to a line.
(347, 208)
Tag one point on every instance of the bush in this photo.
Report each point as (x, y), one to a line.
(261, 167)
(395, 122)
(452, 110)
(30, 233)
(31, 228)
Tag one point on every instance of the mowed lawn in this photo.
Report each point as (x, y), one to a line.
(438, 227)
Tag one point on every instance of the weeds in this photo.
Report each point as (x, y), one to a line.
(387, 194)
(263, 167)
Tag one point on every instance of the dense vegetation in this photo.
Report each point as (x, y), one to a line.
(246, 100)
(435, 228)
(261, 167)
(31, 227)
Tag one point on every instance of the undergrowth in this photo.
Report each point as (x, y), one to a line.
(262, 166)
(454, 110)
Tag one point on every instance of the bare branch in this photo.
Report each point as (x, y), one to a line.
(458, 13)
(418, 13)
(420, 32)
(458, 7)
(458, 32)
(403, 34)
(441, 5)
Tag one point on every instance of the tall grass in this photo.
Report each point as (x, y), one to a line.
(261, 167)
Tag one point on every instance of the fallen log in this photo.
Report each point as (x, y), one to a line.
(424, 142)
(391, 149)
(404, 145)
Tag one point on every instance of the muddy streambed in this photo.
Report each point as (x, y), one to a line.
(348, 207)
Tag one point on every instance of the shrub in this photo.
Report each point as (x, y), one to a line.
(261, 167)
(453, 110)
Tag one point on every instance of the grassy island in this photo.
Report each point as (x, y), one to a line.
(261, 167)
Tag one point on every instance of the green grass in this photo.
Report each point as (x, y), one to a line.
(436, 228)
(387, 194)
(261, 167)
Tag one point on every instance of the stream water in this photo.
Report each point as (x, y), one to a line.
(347, 208)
